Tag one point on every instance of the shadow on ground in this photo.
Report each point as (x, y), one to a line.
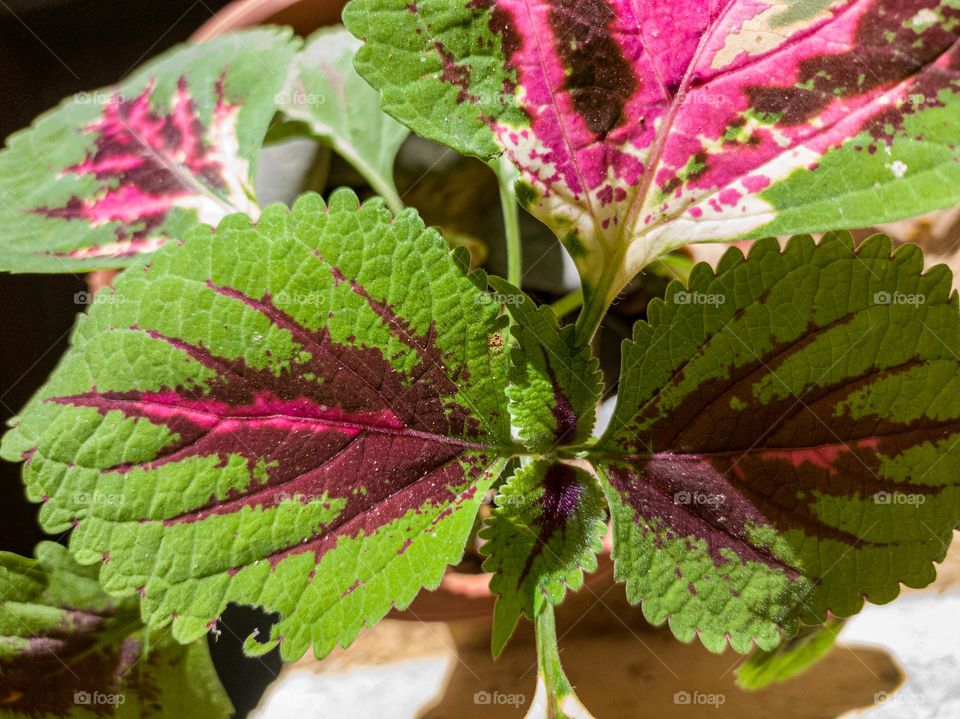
(624, 668)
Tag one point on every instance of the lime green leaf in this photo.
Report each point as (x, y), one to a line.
(325, 93)
(69, 650)
(791, 658)
(301, 414)
(554, 383)
(117, 173)
(544, 533)
(787, 439)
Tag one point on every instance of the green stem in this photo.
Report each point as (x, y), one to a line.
(559, 695)
(548, 654)
(388, 192)
(382, 186)
(675, 267)
(597, 297)
(588, 322)
(565, 305)
(506, 179)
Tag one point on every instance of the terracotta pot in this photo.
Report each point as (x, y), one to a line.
(304, 16)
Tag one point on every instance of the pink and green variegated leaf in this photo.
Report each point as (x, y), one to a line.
(787, 439)
(67, 649)
(114, 174)
(546, 530)
(555, 383)
(642, 126)
(302, 414)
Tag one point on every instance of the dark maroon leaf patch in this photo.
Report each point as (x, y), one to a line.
(344, 418)
(786, 444)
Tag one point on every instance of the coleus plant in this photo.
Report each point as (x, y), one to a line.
(304, 408)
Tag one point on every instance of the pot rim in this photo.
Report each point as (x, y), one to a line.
(241, 14)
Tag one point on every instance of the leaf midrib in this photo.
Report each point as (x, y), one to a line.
(341, 424)
(187, 179)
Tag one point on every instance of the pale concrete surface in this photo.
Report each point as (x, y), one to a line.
(922, 632)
